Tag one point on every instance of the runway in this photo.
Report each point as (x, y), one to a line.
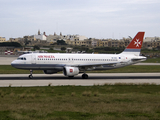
(18, 80)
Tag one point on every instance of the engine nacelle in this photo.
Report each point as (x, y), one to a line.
(70, 71)
(50, 71)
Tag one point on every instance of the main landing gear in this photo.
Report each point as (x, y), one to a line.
(30, 76)
(85, 76)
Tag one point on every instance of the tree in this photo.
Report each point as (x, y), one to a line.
(26, 40)
(14, 44)
(63, 48)
(50, 48)
(61, 42)
(36, 47)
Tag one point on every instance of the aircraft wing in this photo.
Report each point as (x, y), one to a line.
(94, 65)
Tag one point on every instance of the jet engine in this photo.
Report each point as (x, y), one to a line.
(50, 71)
(70, 71)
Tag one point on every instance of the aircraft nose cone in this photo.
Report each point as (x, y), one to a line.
(13, 62)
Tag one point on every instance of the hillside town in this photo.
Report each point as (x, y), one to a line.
(43, 40)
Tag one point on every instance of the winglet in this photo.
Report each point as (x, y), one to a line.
(135, 45)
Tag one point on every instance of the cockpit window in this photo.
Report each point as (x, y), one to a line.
(21, 58)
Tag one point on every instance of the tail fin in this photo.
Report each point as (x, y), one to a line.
(135, 45)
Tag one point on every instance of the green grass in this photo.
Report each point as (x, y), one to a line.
(152, 60)
(132, 69)
(122, 102)
(8, 69)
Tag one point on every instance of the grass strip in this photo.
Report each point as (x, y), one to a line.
(152, 60)
(81, 102)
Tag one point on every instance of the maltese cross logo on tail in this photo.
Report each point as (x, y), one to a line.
(137, 42)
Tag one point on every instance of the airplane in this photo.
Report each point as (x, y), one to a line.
(74, 64)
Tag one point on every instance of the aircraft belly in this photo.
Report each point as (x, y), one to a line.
(104, 68)
(39, 66)
(108, 67)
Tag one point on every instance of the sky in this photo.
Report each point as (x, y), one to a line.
(100, 19)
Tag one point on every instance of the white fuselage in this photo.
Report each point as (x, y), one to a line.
(49, 61)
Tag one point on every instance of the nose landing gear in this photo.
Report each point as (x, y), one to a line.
(30, 76)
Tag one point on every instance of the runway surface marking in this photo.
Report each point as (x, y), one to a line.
(94, 79)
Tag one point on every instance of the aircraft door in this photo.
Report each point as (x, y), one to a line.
(70, 60)
(33, 59)
(122, 58)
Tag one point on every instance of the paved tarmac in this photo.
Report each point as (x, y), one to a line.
(7, 60)
(18, 80)
(147, 64)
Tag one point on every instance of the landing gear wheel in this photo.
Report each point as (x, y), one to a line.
(85, 76)
(30, 76)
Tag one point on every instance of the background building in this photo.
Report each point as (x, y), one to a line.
(41, 36)
(2, 39)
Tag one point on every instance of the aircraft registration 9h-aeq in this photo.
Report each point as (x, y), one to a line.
(73, 64)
